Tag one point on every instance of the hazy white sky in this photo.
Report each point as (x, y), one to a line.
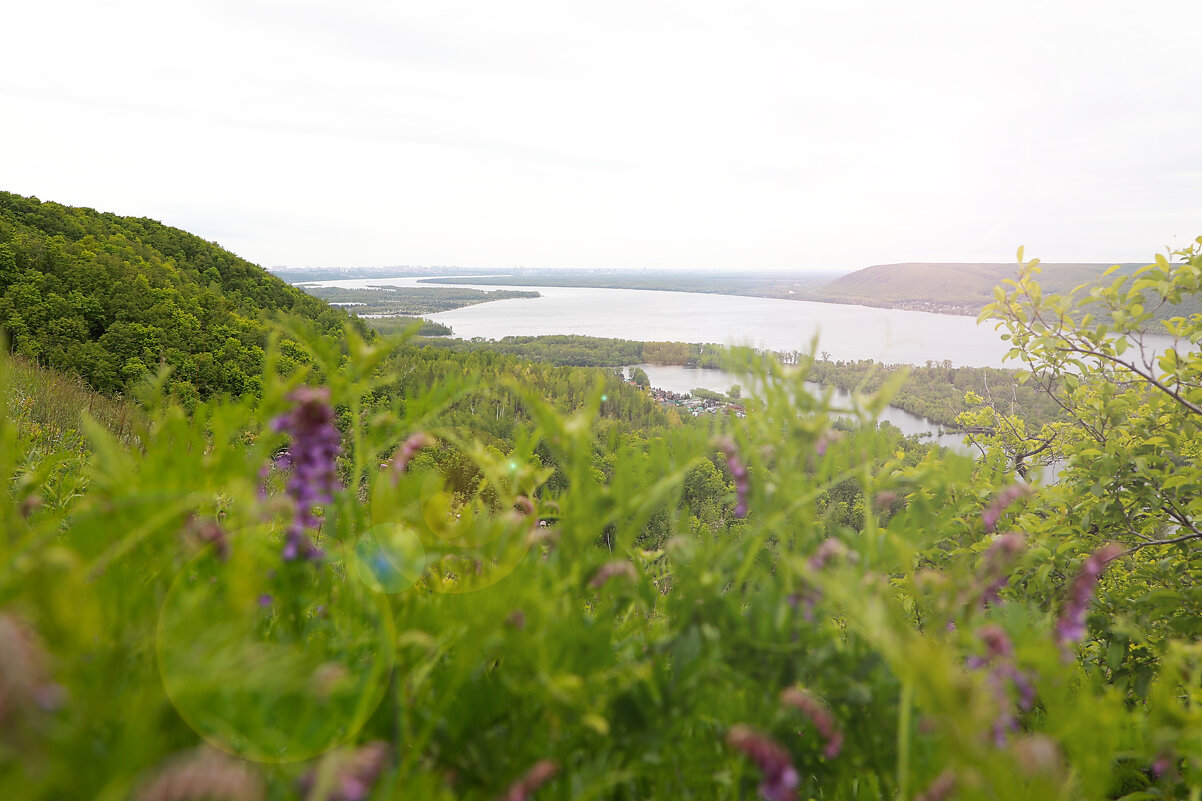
(624, 133)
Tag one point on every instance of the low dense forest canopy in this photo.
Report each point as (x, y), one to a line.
(380, 569)
(113, 298)
(407, 300)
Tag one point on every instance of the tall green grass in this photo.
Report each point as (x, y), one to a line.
(49, 405)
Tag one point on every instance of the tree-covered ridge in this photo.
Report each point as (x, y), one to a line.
(112, 298)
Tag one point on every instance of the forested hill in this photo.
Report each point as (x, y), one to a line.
(957, 288)
(111, 298)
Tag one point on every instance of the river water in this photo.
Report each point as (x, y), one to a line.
(681, 379)
(838, 331)
(846, 332)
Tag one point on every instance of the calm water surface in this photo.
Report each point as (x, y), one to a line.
(677, 378)
(845, 332)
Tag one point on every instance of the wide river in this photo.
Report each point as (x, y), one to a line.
(846, 332)
(891, 336)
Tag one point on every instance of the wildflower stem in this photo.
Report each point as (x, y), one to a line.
(870, 532)
(905, 713)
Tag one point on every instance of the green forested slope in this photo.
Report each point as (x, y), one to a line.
(111, 298)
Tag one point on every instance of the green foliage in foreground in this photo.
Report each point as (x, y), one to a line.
(451, 645)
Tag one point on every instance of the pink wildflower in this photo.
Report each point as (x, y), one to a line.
(819, 715)
(780, 777)
(346, 774)
(611, 570)
(409, 449)
(939, 789)
(995, 564)
(1003, 675)
(1004, 498)
(1070, 628)
(203, 773)
(738, 472)
(536, 777)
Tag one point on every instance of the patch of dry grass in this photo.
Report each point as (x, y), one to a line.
(50, 404)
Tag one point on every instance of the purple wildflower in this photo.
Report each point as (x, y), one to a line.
(1003, 675)
(409, 449)
(1038, 755)
(1162, 765)
(315, 447)
(202, 773)
(1071, 626)
(611, 570)
(819, 715)
(738, 472)
(825, 440)
(1004, 498)
(809, 596)
(26, 690)
(994, 565)
(780, 777)
(350, 774)
(536, 777)
(265, 600)
(939, 789)
(205, 532)
(828, 550)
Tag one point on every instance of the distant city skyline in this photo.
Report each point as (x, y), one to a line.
(781, 136)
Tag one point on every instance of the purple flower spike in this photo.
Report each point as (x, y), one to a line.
(780, 777)
(825, 440)
(940, 789)
(1004, 498)
(1003, 675)
(738, 472)
(808, 595)
(612, 570)
(1070, 628)
(994, 564)
(819, 715)
(312, 458)
(354, 772)
(828, 550)
(409, 449)
(541, 773)
(1162, 765)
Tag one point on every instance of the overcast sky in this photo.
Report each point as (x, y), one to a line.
(781, 135)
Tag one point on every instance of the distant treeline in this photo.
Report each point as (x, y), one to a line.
(583, 351)
(388, 326)
(408, 300)
(935, 391)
